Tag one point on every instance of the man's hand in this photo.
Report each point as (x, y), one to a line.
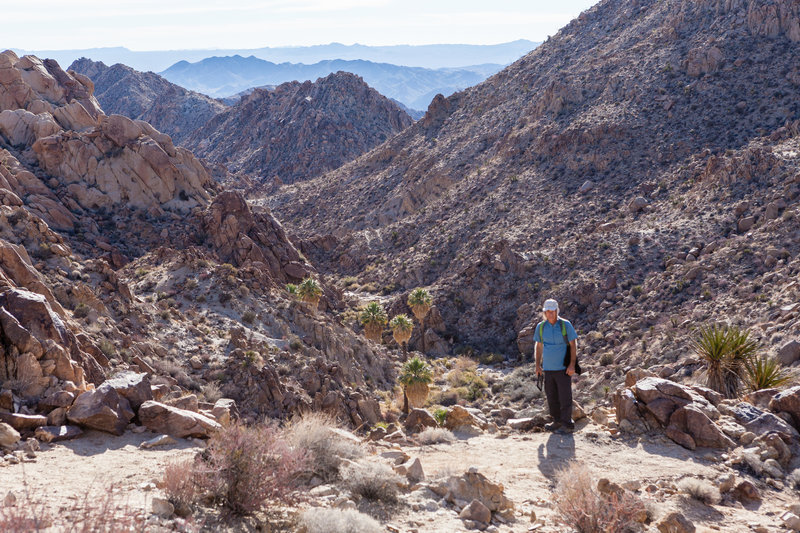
(539, 370)
(570, 370)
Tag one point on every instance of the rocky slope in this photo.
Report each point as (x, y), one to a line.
(641, 166)
(118, 253)
(147, 96)
(299, 130)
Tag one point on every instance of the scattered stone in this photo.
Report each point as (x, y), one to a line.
(225, 411)
(57, 433)
(104, 409)
(675, 522)
(161, 440)
(789, 353)
(8, 435)
(134, 387)
(162, 508)
(477, 512)
(746, 492)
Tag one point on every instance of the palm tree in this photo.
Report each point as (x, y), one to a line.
(726, 350)
(420, 302)
(373, 318)
(310, 292)
(402, 326)
(415, 378)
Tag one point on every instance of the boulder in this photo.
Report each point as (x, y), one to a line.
(473, 485)
(527, 423)
(419, 419)
(759, 422)
(704, 432)
(626, 406)
(57, 399)
(789, 353)
(636, 374)
(225, 411)
(188, 403)
(412, 470)
(788, 401)
(760, 398)
(23, 422)
(162, 418)
(458, 417)
(8, 435)
(103, 409)
(133, 386)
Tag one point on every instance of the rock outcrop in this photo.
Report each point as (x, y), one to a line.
(147, 96)
(299, 130)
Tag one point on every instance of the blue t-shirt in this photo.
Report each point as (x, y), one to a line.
(554, 347)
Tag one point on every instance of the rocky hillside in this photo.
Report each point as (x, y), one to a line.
(641, 166)
(119, 254)
(147, 96)
(299, 130)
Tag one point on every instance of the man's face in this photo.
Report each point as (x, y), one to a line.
(551, 316)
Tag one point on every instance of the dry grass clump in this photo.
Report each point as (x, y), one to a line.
(435, 436)
(337, 521)
(326, 450)
(373, 481)
(700, 490)
(583, 508)
(179, 484)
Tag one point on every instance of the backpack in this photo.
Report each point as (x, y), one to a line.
(578, 369)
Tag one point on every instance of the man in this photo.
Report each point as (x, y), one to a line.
(551, 349)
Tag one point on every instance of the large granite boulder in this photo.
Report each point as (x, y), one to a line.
(134, 386)
(692, 421)
(418, 420)
(759, 422)
(473, 485)
(788, 401)
(103, 409)
(162, 418)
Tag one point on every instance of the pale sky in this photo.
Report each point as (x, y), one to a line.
(203, 24)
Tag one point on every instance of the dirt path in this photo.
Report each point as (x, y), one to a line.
(64, 474)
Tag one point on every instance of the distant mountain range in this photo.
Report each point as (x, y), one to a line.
(428, 56)
(415, 87)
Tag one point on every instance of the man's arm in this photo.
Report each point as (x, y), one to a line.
(573, 352)
(538, 351)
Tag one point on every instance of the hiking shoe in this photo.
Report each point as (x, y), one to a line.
(563, 430)
(552, 426)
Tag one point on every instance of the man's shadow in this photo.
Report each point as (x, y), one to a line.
(556, 454)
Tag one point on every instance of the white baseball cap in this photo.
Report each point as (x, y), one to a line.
(550, 305)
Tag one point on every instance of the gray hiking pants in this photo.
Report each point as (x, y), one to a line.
(558, 389)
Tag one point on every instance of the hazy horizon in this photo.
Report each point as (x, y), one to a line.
(150, 25)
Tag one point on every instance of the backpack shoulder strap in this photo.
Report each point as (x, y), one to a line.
(541, 331)
(563, 330)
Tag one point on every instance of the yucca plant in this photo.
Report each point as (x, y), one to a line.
(725, 350)
(765, 373)
(310, 292)
(415, 378)
(373, 318)
(402, 326)
(420, 302)
(291, 288)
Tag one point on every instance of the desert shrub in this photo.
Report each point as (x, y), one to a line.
(225, 297)
(107, 347)
(435, 436)
(606, 359)
(247, 468)
(248, 317)
(465, 375)
(179, 483)
(765, 373)
(581, 507)
(491, 358)
(189, 284)
(700, 490)
(373, 481)
(316, 520)
(440, 415)
(244, 291)
(445, 398)
(326, 449)
(81, 311)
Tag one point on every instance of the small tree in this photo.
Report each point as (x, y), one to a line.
(373, 318)
(401, 330)
(415, 378)
(726, 350)
(310, 292)
(420, 302)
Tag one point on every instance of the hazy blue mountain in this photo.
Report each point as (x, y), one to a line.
(415, 87)
(428, 56)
